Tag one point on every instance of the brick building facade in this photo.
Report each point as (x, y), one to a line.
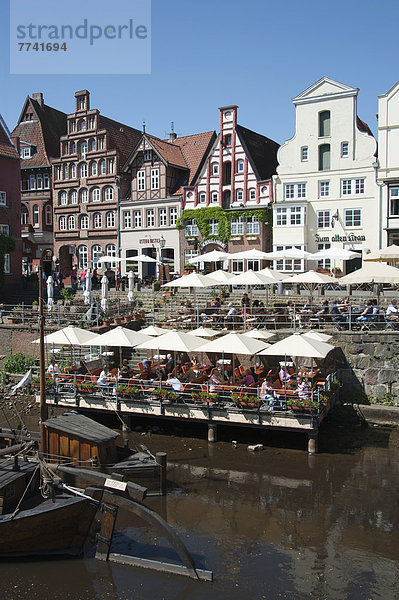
(87, 185)
(39, 129)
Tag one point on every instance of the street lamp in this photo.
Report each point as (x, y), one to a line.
(162, 243)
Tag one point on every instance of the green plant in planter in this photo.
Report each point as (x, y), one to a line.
(127, 390)
(85, 387)
(205, 397)
(17, 362)
(335, 385)
(305, 403)
(49, 382)
(241, 398)
(165, 394)
(66, 295)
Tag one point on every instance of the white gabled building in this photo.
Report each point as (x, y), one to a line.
(388, 158)
(325, 191)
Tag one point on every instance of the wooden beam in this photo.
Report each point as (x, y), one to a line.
(145, 563)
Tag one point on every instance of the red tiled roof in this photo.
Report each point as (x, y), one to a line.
(363, 127)
(122, 137)
(195, 149)
(7, 148)
(171, 153)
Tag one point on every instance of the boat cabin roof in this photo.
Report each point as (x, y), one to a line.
(81, 427)
(8, 475)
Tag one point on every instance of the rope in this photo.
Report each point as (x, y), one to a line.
(77, 492)
(23, 495)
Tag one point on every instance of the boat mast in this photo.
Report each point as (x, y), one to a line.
(42, 366)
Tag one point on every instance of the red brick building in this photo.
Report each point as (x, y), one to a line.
(234, 187)
(10, 207)
(87, 185)
(39, 129)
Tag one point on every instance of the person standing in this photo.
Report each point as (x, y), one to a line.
(83, 279)
(117, 279)
(73, 275)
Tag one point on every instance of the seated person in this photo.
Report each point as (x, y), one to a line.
(284, 376)
(303, 388)
(124, 371)
(324, 309)
(195, 363)
(336, 312)
(392, 312)
(215, 380)
(53, 368)
(231, 313)
(245, 302)
(174, 382)
(376, 309)
(103, 379)
(248, 379)
(366, 314)
(190, 376)
(266, 393)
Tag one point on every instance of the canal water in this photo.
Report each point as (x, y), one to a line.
(273, 524)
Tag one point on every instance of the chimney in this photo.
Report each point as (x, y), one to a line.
(38, 96)
(172, 135)
(16, 142)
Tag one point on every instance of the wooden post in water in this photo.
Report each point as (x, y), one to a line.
(104, 538)
(212, 433)
(312, 443)
(42, 367)
(160, 457)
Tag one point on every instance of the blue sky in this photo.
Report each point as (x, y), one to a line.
(255, 53)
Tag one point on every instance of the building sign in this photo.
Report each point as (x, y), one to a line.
(339, 238)
(149, 241)
(206, 243)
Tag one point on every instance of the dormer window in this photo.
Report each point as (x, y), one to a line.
(147, 155)
(26, 152)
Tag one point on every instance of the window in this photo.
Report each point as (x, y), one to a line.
(24, 215)
(162, 217)
(103, 167)
(111, 165)
(84, 195)
(323, 219)
(353, 217)
(288, 264)
(131, 264)
(63, 198)
(239, 195)
(74, 196)
(147, 155)
(344, 149)
(95, 194)
(48, 214)
(39, 182)
(191, 229)
(237, 226)
(83, 149)
(189, 255)
(96, 253)
(73, 148)
(240, 166)
(97, 220)
(93, 145)
(324, 157)
(215, 197)
(227, 139)
(46, 181)
(293, 215)
(3, 198)
(66, 172)
(252, 194)
(294, 190)
(100, 143)
(83, 257)
(91, 123)
(324, 123)
(72, 126)
(324, 189)
(141, 181)
(110, 219)
(5, 229)
(108, 193)
(215, 169)
(62, 223)
(32, 182)
(84, 222)
(93, 168)
(202, 198)
(253, 265)
(72, 170)
(352, 186)
(83, 170)
(7, 271)
(394, 201)
(58, 173)
(82, 125)
(172, 215)
(304, 153)
(214, 227)
(154, 179)
(110, 250)
(150, 217)
(25, 152)
(227, 173)
(326, 262)
(71, 222)
(137, 218)
(127, 220)
(237, 266)
(253, 226)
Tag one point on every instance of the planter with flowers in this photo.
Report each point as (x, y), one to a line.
(244, 400)
(166, 394)
(128, 391)
(84, 387)
(304, 404)
(205, 397)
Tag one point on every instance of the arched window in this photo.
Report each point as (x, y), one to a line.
(83, 170)
(239, 195)
(72, 170)
(71, 222)
(84, 195)
(82, 125)
(93, 168)
(93, 144)
(24, 215)
(324, 123)
(108, 193)
(83, 149)
(96, 254)
(97, 220)
(111, 165)
(215, 197)
(63, 198)
(103, 167)
(84, 222)
(48, 214)
(65, 172)
(73, 195)
(95, 195)
(62, 223)
(83, 257)
(240, 166)
(324, 157)
(110, 250)
(110, 219)
(73, 148)
(36, 216)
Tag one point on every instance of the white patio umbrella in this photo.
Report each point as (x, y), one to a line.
(222, 277)
(120, 337)
(194, 280)
(388, 254)
(334, 253)
(253, 254)
(70, 336)
(258, 334)
(311, 280)
(104, 292)
(294, 253)
(154, 331)
(175, 341)
(298, 345)
(204, 332)
(214, 256)
(108, 259)
(130, 294)
(372, 272)
(88, 294)
(50, 293)
(253, 278)
(316, 335)
(143, 258)
(277, 275)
